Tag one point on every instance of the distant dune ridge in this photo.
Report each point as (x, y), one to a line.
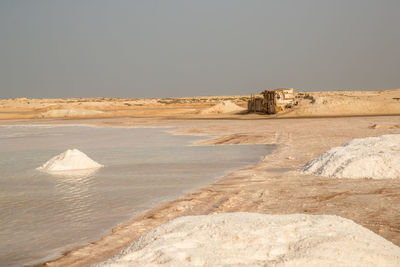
(252, 239)
(310, 104)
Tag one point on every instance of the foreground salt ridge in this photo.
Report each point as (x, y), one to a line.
(70, 160)
(252, 239)
(372, 157)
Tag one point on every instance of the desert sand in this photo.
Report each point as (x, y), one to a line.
(276, 184)
(310, 104)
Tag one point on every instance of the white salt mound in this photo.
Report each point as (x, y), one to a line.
(223, 107)
(372, 157)
(251, 239)
(70, 160)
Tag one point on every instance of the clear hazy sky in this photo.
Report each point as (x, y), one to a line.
(127, 48)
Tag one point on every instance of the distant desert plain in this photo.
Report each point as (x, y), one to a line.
(310, 104)
(274, 185)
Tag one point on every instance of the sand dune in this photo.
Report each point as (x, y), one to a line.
(70, 113)
(223, 107)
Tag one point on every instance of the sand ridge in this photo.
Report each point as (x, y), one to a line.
(223, 107)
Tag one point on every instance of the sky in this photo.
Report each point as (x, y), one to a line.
(170, 48)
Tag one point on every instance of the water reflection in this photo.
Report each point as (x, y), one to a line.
(74, 176)
(74, 192)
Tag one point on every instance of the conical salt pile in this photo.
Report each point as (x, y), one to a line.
(70, 160)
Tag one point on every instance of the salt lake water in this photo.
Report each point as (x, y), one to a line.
(41, 215)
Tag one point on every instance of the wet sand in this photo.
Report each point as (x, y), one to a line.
(274, 186)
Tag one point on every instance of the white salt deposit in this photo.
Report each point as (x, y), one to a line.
(70, 160)
(223, 107)
(372, 157)
(251, 239)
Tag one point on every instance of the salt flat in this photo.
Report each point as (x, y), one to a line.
(371, 203)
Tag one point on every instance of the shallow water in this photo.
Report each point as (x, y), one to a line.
(41, 214)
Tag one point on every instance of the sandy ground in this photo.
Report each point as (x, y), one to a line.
(272, 186)
(310, 104)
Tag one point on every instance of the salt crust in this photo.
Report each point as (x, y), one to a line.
(252, 239)
(223, 107)
(372, 157)
(70, 160)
